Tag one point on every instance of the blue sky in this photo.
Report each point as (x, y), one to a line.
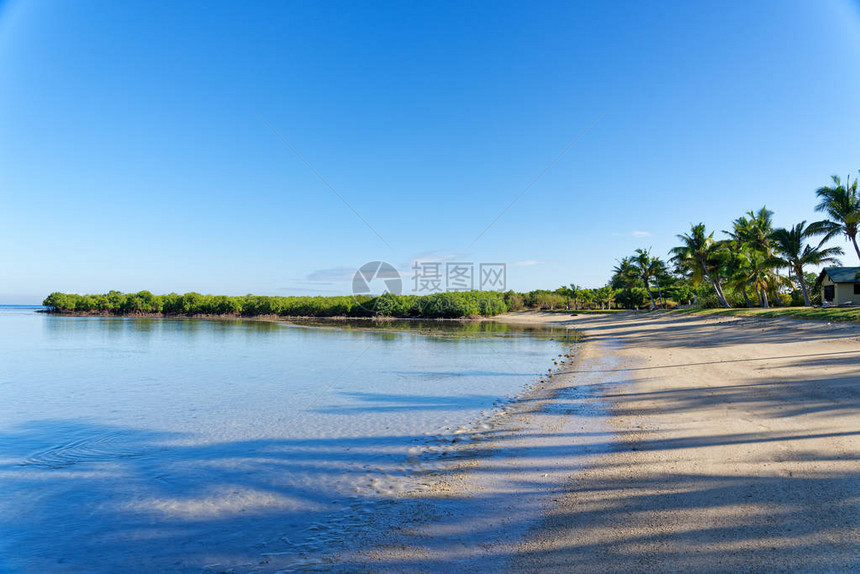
(133, 155)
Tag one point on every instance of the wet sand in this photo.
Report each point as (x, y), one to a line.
(671, 443)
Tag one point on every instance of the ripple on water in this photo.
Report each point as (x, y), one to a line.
(102, 447)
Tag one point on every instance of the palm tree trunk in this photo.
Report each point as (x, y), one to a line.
(650, 296)
(776, 300)
(719, 291)
(715, 284)
(799, 272)
(746, 297)
(723, 295)
(764, 299)
(856, 249)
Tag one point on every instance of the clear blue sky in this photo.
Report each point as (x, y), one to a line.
(133, 156)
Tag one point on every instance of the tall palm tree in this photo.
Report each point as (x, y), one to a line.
(700, 257)
(841, 203)
(794, 252)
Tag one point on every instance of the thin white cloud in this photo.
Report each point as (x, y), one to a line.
(332, 274)
(310, 289)
(641, 234)
(527, 263)
(434, 257)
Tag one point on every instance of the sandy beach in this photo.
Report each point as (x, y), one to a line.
(668, 443)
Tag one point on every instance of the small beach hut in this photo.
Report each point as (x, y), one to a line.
(840, 285)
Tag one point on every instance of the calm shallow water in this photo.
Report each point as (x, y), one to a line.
(191, 445)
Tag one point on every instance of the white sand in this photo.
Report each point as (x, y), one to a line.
(732, 445)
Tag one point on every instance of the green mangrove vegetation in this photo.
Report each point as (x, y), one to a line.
(437, 305)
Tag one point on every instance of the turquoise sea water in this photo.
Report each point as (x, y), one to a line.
(203, 445)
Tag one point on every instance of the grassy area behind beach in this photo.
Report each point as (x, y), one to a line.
(851, 314)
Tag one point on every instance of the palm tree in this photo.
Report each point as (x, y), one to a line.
(564, 291)
(605, 296)
(737, 266)
(659, 273)
(748, 267)
(586, 297)
(624, 274)
(793, 252)
(841, 203)
(700, 257)
(625, 277)
(759, 271)
(574, 291)
(752, 232)
(647, 268)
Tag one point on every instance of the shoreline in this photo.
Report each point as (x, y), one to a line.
(483, 484)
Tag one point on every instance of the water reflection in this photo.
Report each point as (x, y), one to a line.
(185, 435)
(141, 329)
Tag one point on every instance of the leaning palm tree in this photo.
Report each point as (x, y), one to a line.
(794, 252)
(699, 256)
(841, 203)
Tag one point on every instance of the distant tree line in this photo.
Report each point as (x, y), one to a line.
(450, 305)
(436, 305)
